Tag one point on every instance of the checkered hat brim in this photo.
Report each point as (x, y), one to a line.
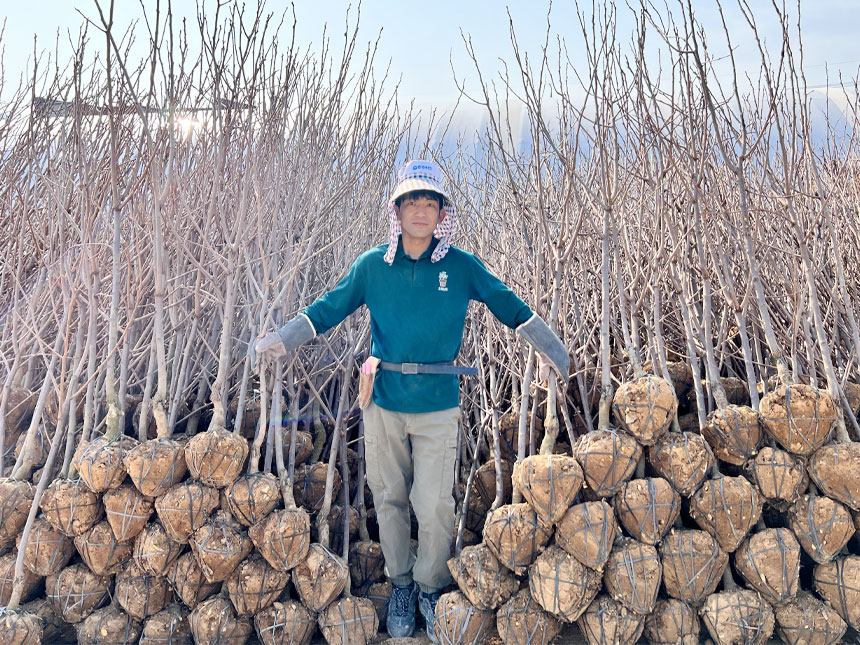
(418, 183)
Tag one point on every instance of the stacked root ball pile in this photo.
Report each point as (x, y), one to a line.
(631, 533)
(204, 555)
(638, 533)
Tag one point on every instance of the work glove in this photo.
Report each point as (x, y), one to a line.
(549, 347)
(276, 344)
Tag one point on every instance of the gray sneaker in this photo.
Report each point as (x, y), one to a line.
(401, 611)
(427, 605)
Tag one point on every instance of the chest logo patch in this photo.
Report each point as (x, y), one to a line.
(443, 281)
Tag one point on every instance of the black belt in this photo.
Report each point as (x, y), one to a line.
(427, 368)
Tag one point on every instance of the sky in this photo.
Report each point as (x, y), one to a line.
(423, 40)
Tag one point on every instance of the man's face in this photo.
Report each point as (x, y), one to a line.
(419, 216)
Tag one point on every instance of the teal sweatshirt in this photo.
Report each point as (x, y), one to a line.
(417, 312)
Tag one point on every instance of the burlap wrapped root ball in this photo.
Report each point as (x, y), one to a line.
(835, 469)
(684, 459)
(608, 622)
(20, 628)
(156, 465)
(693, 565)
(739, 616)
(141, 595)
(549, 483)
(647, 508)
(484, 483)
(285, 623)
(168, 627)
(70, 506)
(587, 531)
(54, 628)
(515, 534)
(459, 622)
(16, 498)
(769, 561)
(185, 508)
(219, 546)
(366, 565)
(632, 575)
(561, 584)
(216, 457)
(799, 417)
(127, 511)
(734, 433)
(320, 577)
(187, 580)
(522, 621)
(7, 579)
(102, 552)
(154, 550)
(213, 622)
(805, 620)
(252, 497)
(310, 483)
(283, 537)
(822, 526)
(608, 458)
(780, 477)
(349, 621)
(100, 462)
(255, 585)
(727, 508)
(485, 583)
(76, 592)
(672, 622)
(378, 593)
(47, 550)
(645, 407)
(109, 626)
(838, 583)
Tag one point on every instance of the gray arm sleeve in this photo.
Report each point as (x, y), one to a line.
(543, 339)
(297, 332)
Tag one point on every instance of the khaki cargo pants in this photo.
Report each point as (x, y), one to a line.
(410, 458)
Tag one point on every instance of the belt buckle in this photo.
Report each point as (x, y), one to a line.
(409, 368)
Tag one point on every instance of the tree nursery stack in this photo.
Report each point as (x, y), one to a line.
(693, 242)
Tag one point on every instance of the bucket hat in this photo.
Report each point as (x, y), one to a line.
(420, 174)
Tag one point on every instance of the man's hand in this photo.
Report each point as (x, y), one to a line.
(269, 349)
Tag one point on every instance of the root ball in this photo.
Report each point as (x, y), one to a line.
(349, 621)
(741, 616)
(255, 585)
(482, 578)
(216, 457)
(213, 622)
(727, 508)
(561, 584)
(608, 458)
(645, 407)
(549, 483)
(320, 578)
(693, 565)
(156, 465)
(587, 531)
(285, 623)
(283, 538)
(521, 621)
(459, 622)
(515, 535)
(799, 417)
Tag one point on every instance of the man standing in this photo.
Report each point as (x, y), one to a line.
(417, 288)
